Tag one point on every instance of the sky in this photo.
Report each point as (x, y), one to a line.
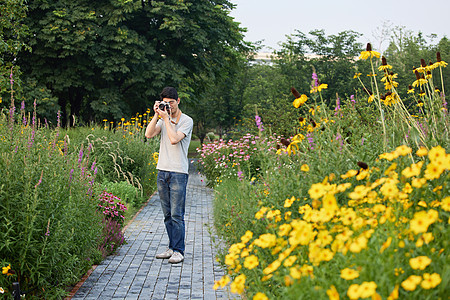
(272, 20)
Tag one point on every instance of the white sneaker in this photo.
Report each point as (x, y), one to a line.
(166, 254)
(177, 257)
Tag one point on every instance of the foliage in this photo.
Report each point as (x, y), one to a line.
(49, 221)
(121, 153)
(111, 58)
(354, 204)
(12, 35)
(126, 192)
(112, 236)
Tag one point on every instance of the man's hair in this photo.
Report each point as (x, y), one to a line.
(169, 92)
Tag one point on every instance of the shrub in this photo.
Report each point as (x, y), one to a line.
(49, 222)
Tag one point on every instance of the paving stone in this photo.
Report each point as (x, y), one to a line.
(135, 273)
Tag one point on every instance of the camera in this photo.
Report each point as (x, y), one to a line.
(164, 106)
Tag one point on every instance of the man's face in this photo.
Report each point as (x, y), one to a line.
(173, 104)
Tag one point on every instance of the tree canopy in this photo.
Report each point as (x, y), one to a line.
(111, 58)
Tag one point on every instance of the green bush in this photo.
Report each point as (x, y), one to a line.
(49, 224)
(126, 192)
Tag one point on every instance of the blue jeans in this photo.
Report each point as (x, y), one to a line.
(172, 193)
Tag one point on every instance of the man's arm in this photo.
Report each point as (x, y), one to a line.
(174, 136)
(152, 130)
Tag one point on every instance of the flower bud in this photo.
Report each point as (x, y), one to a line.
(295, 93)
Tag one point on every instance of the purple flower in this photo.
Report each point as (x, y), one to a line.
(315, 79)
(352, 98)
(259, 123)
(240, 176)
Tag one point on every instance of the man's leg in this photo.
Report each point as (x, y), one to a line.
(162, 182)
(178, 182)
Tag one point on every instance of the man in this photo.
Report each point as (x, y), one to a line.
(175, 129)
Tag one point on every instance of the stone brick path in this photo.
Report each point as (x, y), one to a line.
(135, 273)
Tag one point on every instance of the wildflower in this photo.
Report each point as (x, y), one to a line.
(369, 53)
(266, 240)
(222, 282)
(317, 190)
(386, 244)
(319, 88)
(410, 90)
(7, 270)
(439, 62)
(260, 296)
(430, 280)
(353, 292)
(300, 101)
(420, 262)
(422, 220)
(394, 294)
(288, 202)
(384, 66)
(238, 284)
(411, 282)
(272, 267)
(436, 153)
(403, 150)
(349, 274)
(251, 262)
(350, 173)
(420, 80)
(357, 75)
(367, 289)
(433, 171)
(247, 236)
(422, 151)
(445, 204)
(304, 168)
(332, 293)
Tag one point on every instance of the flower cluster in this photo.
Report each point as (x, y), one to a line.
(371, 223)
(111, 207)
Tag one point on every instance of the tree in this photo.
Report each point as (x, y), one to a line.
(12, 33)
(108, 58)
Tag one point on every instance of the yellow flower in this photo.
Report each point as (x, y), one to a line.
(260, 296)
(420, 262)
(386, 244)
(238, 284)
(247, 236)
(403, 150)
(330, 203)
(394, 293)
(350, 173)
(319, 88)
(304, 168)
(222, 282)
(300, 101)
(251, 262)
(353, 292)
(7, 270)
(437, 153)
(430, 280)
(433, 171)
(413, 170)
(332, 293)
(421, 221)
(411, 282)
(369, 53)
(349, 274)
(290, 261)
(445, 204)
(367, 289)
(288, 202)
(272, 267)
(266, 240)
(356, 75)
(317, 190)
